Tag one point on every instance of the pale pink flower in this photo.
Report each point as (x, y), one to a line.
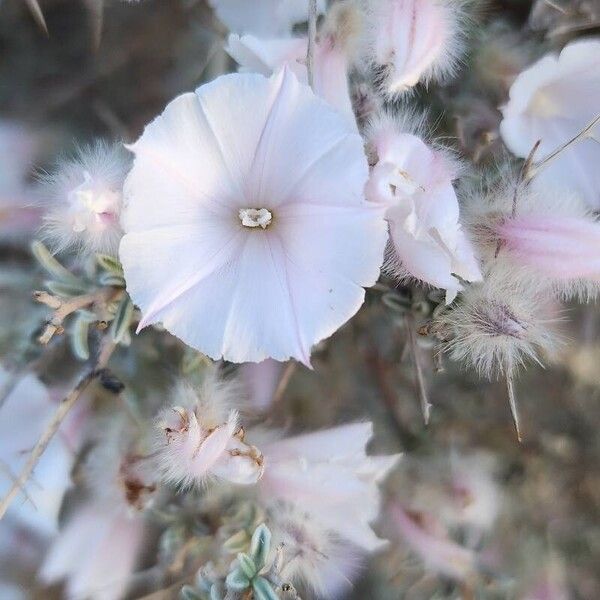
(329, 475)
(310, 554)
(96, 552)
(412, 41)
(261, 381)
(82, 199)
(263, 17)
(247, 232)
(333, 55)
(429, 540)
(414, 182)
(201, 437)
(552, 101)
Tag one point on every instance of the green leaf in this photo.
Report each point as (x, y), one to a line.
(66, 290)
(260, 546)
(237, 581)
(79, 337)
(215, 592)
(122, 321)
(263, 590)
(238, 542)
(109, 279)
(110, 264)
(247, 565)
(51, 265)
(187, 592)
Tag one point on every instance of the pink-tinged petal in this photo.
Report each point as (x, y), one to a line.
(559, 247)
(439, 554)
(328, 474)
(261, 380)
(413, 40)
(96, 553)
(190, 255)
(213, 447)
(304, 170)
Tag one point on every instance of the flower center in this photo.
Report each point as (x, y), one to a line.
(255, 217)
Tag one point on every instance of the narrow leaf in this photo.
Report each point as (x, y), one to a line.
(122, 321)
(110, 264)
(108, 279)
(247, 565)
(79, 337)
(51, 265)
(260, 546)
(263, 590)
(237, 581)
(66, 290)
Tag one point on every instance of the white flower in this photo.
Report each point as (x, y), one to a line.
(263, 17)
(329, 475)
(96, 552)
(415, 182)
(413, 40)
(231, 290)
(83, 199)
(552, 101)
(201, 438)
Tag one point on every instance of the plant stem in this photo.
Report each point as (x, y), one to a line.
(312, 38)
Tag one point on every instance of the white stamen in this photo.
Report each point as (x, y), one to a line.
(255, 217)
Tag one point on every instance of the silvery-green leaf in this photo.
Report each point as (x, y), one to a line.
(79, 337)
(216, 592)
(110, 279)
(110, 264)
(237, 543)
(122, 321)
(51, 265)
(263, 590)
(247, 565)
(260, 546)
(66, 290)
(237, 581)
(187, 592)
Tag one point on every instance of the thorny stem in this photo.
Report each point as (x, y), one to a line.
(63, 409)
(512, 400)
(312, 37)
(421, 389)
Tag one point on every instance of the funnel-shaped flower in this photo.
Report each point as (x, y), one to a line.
(329, 475)
(247, 233)
(552, 101)
(415, 182)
